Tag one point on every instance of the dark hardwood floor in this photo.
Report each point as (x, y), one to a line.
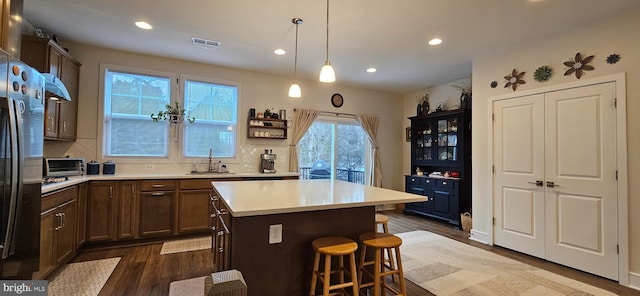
(143, 271)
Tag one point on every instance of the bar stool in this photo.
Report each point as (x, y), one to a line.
(384, 220)
(379, 241)
(334, 246)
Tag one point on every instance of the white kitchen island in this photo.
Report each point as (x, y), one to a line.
(246, 213)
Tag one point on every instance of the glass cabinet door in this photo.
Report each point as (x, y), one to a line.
(447, 139)
(423, 142)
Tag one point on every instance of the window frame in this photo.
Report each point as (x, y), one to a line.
(182, 87)
(175, 134)
(337, 120)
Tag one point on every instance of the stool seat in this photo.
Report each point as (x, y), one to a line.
(339, 247)
(381, 219)
(380, 240)
(334, 245)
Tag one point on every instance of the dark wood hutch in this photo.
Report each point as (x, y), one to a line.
(441, 142)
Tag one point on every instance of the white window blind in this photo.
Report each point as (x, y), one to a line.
(215, 108)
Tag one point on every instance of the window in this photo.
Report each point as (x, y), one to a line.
(334, 149)
(131, 96)
(214, 106)
(129, 101)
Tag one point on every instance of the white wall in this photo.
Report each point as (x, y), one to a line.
(257, 90)
(619, 36)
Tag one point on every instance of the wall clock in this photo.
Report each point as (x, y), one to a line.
(337, 100)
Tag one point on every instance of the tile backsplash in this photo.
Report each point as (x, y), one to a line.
(248, 160)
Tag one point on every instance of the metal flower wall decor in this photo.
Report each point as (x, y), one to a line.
(579, 65)
(543, 73)
(514, 79)
(613, 58)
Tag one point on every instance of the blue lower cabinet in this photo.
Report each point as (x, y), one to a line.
(442, 198)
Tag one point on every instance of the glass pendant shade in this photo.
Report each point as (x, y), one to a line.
(327, 74)
(294, 91)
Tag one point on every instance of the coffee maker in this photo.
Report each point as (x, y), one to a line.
(267, 162)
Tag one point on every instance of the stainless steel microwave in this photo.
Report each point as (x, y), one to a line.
(63, 166)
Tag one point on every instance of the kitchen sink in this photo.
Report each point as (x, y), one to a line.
(208, 173)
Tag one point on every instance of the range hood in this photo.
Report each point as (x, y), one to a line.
(53, 85)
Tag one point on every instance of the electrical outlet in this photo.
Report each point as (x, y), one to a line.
(149, 166)
(275, 234)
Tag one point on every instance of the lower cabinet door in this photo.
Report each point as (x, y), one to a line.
(48, 224)
(156, 213)
(66, 234)
(193, 210)
(127, 210)
(442, 203)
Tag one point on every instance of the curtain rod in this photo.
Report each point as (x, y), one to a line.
(334, 113)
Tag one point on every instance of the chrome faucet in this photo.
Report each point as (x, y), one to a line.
(210, 160)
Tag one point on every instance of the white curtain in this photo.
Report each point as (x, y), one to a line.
(302, 120)
(370, 125)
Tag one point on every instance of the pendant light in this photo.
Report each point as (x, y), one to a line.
(327, 74)
(294, 90)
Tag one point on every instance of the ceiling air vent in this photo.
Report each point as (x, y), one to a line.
(211, 44)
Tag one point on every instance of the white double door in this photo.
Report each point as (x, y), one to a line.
(555, 192)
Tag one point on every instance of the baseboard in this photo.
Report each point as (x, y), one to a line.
(481, 237)
(634, 280)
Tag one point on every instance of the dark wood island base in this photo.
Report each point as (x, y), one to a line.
(285, 268)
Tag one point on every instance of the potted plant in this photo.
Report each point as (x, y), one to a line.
(175, 114)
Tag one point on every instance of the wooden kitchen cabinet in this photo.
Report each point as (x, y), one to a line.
(48, 57)
(157, 207)
(112, 211)
(221, 234)
(4, 23)
(127, 210)
(58, 224)
(193, 205)
(81, 232)
(101, 211)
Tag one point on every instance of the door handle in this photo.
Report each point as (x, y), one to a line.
(551, 184)
(537, 183)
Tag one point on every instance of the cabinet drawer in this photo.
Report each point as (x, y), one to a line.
(413, 180)
(195, 184)
(155, 185)
(427, 181)
(445, 183)
(51, 200)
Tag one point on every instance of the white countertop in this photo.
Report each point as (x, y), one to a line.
(290, 196)
(80, 179)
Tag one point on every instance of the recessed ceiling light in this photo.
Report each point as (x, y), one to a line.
(143, 25)
(280, 51)
(435, 41)
(371, 70)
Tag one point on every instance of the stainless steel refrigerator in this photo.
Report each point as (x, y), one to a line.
(21, 150)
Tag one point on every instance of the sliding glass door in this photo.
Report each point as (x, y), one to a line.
(334, 149)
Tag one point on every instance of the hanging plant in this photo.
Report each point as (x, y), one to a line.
(579, 65)
(514, 79)
(175, 114)
(613, 58)
(543, 73)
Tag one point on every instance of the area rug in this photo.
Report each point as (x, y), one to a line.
(82, 278)
(191, 287)
(186, 245)
(447, 267)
